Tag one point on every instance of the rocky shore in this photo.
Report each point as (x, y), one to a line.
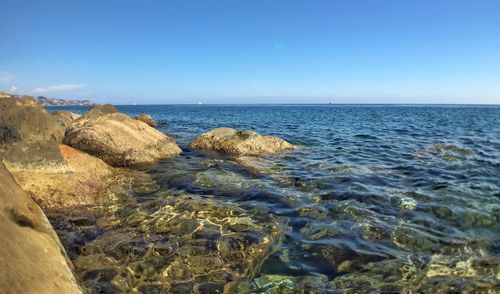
(62, 164)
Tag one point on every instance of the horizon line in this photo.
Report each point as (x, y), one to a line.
(290, 103)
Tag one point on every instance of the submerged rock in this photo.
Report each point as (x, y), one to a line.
(230, 141)
(147, 119)
(172, 243)
(118, 139)
(33, 260)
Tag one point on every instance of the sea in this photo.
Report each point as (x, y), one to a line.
(375, 199)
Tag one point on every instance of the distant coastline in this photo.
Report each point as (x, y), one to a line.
(45, 101)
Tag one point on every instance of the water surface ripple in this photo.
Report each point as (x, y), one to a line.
(384, 198)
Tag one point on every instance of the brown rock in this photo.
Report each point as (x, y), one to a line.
(28, 101)
(55, 176)
(58, 176)
(147, 119)
(98, 111)
(4, 95)
(230, 141)
(31, 121)
(8, 135)
(119, 140)
(33, 260)
(65, 117)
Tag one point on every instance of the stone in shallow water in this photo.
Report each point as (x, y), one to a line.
(230, 141)
(118, 139)
(447, 152)
(176, 243)
(224, 181)
(146, 118)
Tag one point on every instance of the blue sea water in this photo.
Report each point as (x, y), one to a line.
(383, 198)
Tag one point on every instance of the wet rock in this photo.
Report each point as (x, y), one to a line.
(147, 119)
(209, 288)
(448, 152)
(119, 140)
(230, 141)
(286, 284)
(224, 181)
(33, 260)
(30, 121)
(413, 239)
(65, 117)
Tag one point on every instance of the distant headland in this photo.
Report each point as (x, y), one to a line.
(45, 101)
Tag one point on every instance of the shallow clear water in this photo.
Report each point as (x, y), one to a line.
(385, 198)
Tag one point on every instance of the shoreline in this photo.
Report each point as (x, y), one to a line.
(65, 181)
(343, 209)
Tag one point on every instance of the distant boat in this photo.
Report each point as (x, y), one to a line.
(133, 103)
(199, 103)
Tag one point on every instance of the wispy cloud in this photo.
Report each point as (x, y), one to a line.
(62, 87)
(5, 77)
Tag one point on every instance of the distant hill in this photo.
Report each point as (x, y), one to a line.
(61, 102)
(44, 101)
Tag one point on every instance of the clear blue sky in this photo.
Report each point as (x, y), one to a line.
(253, 51)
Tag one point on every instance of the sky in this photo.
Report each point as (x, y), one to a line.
(253, 51)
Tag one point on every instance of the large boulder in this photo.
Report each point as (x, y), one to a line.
(8, 135)
(4, 95)
(147, 119)
(230, 141)
(57, 176)
(29, 120)
(97, 111)
(65, 117)
(119, 140)
(28, 101)
(33, 260)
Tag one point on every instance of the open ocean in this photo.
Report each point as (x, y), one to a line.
(378, 198)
